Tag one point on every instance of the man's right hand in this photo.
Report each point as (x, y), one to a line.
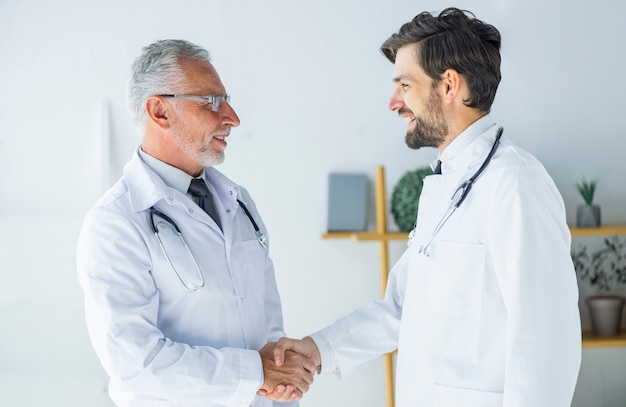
(305, 347)
(290, 379)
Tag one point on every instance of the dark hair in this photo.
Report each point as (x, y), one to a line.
(454, 39)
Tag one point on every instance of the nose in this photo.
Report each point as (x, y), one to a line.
(397, 101)
(229, 116)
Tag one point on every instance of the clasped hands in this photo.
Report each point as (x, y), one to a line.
(288, 368)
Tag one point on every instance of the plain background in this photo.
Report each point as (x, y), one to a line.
(311, 89)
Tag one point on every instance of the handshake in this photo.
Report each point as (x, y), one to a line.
(288, 368)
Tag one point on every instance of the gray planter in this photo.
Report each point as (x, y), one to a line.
(606, 314)
(588, 216)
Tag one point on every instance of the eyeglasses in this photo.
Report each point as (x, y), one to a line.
(216, 101)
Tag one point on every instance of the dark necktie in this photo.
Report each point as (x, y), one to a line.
(200, 192)
(437, 169)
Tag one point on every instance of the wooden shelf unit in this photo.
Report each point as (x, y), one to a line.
(366, 236)
(592, 341)
(589, 339)
(383, 237)
(605, 230)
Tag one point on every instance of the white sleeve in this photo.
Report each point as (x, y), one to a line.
(122, 310)
(366, 333)
(529, 245)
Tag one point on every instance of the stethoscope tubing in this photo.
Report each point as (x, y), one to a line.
(458, 197)
(155, 230)
(261, 238)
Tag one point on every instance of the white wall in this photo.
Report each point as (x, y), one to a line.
(311, 89)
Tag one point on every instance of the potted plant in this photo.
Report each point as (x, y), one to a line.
(405, 197)
(604, 269)
(588, 214)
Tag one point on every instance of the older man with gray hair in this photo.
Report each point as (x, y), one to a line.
(180, 293)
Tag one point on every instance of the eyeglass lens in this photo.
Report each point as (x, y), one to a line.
(217, 102)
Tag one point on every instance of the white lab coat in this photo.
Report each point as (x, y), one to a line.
(161, 345)
(491, 317)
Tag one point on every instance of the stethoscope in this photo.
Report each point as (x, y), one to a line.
(260, 237)
(457, 199)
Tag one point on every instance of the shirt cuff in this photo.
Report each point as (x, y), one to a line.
(327, 354)
(251, 377)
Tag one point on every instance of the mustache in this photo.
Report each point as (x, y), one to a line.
(405, 110)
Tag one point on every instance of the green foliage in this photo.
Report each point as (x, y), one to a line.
(405, 197)
(605, 267)
(586, 190)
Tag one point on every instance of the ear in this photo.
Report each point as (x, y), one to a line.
(157, 112)
(451, 83)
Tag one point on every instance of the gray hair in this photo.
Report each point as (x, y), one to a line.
(157, 70)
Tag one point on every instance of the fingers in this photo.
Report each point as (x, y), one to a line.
(284, 393)
(309, 348)
(305, 347)
(295, 371)
(290, 380)
(289, 366)
(309, 365)
(284, 344)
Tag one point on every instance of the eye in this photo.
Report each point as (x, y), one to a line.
(404, 87)
(206, 106)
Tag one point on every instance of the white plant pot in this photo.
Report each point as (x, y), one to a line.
(606, 314)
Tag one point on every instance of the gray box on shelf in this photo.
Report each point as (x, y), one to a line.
(347, 202)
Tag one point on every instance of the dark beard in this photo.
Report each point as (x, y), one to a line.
(430, 131)
(426, 134)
